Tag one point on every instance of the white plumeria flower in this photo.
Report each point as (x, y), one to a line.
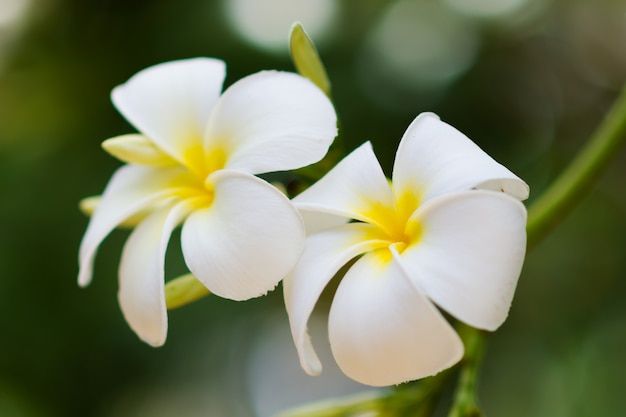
(194, 163)
(449, 230)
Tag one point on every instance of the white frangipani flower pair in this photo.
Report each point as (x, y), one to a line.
(447, 231)
(194, 163)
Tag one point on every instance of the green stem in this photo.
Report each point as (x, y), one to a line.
(343, 407)
(417, 399)
(550, 208)
(464, 403)
(555, 203)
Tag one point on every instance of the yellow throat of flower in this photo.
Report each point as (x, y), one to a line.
(203, 162)
(395, 227)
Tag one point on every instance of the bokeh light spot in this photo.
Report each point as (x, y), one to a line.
(266, 23)
(417, 46)
(486, 8)
(12, 11)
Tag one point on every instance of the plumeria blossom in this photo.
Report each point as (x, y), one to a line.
(194, 163)
(448, 231)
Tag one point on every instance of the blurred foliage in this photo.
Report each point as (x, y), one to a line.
(538, 81)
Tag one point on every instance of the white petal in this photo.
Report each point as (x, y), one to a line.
(324, 254)
(131, 189)
(434, 158)
(470, 254)
(171, 102)
(141, 292)
(246, 241)
(137, 149)
(383, 331)
(315, 221)
(272, 121)
(355, 188)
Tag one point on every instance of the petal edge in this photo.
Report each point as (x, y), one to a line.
(325, 253)
(246, 241)
(439, 159)
(384, 331)
(470, 254)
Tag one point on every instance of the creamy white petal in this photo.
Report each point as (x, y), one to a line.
(434, 158)
(315, 221)
(470, 254)
(131, 189)
(383, 330)
(324, 254)
(246, 241)
(171, 102)
(142, 276)
(272, 121)
(355, 188)
(138, 149)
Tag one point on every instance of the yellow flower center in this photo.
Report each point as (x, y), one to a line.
(203, 162)
(200, 163)
(394, 226)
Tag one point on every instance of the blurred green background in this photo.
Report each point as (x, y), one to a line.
(528, 80)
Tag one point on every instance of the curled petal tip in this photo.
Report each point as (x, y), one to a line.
(309, 361)
(88, 205)
(427, 115)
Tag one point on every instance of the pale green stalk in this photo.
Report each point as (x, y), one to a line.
(550, 208)
(576, 180)
(464, 402)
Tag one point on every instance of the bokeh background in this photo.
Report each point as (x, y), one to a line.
(528, 80)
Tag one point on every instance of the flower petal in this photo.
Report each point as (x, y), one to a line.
(137, 149)
(470, 254)
(131, 189)
(324, 254)
(142, 276)
(435, 158)
(272, 121)
(383, 331)
(355, 188)
(315, 221)
(171, 102)
(246, 241)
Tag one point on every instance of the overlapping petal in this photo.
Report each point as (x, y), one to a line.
(470, 254)
(137, 149)
(435, 158)
(170, 103)
(355, 188)
(383, 330)
(324, 254)
(246, 241)
(315, 221)
(272, 121)
(131, 189)
(142, 276)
